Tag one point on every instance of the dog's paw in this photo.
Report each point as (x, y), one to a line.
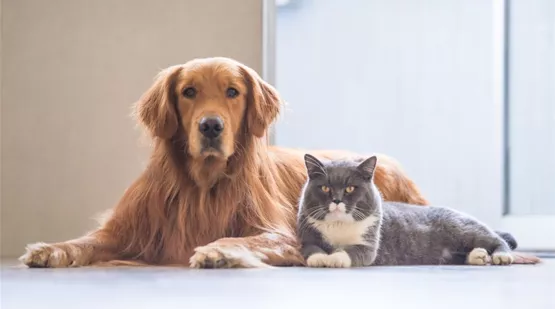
(478, 256)
(317, 260)
(339, 259)
(502, 258)
(233, 256)
(46, 255)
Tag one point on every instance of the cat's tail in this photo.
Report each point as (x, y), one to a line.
(511, 241)
(520, 257)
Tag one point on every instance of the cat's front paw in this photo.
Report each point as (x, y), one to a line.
(317, 260)
(339, 259)
(502, 258)
(478, 256)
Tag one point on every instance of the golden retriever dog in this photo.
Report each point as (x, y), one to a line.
(214, 194)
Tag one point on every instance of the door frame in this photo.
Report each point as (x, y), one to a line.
(269, 50)
(530, 230)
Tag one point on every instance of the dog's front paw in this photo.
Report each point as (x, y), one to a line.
(229, 256)
(478, 256)
(46, 255)
(502, 258)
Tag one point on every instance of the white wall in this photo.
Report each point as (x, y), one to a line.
(413, 79)
(532, 106)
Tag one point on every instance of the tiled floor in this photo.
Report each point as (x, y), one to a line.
(449, 287)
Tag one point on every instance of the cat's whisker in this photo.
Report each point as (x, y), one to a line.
(357, 214)
(315, 211)
(322, 213)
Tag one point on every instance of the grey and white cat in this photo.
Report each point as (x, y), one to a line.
(344, 222)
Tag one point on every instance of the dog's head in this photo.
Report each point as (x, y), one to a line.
(212, 101)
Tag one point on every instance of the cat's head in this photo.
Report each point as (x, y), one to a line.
(341, 190)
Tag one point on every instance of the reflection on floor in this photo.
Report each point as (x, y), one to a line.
(449, 287)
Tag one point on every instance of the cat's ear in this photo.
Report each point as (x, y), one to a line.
(314, 167)
(367, 167)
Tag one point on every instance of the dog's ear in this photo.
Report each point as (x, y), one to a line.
(156, 108)
(263, 102)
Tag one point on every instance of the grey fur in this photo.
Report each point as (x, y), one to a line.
(401, 234)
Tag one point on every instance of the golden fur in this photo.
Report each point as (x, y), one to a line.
(235, 207)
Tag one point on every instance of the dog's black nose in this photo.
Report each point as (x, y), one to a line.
(211, 127)
(336, 201)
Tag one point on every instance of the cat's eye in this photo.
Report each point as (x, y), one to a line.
(350, 189)
(325, 189)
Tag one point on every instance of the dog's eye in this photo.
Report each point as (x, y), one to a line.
(189, 92)
(231, 92)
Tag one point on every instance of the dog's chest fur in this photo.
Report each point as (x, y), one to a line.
(341, 234)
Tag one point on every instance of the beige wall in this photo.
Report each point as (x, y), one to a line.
(71, 70)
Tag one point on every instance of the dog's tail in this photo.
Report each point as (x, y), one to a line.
(511, 241)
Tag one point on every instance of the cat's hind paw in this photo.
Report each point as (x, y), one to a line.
(478, 256)
(502, 258)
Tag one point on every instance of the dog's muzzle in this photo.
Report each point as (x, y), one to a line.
(211, 129)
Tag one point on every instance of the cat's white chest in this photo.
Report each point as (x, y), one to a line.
(341, 234)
